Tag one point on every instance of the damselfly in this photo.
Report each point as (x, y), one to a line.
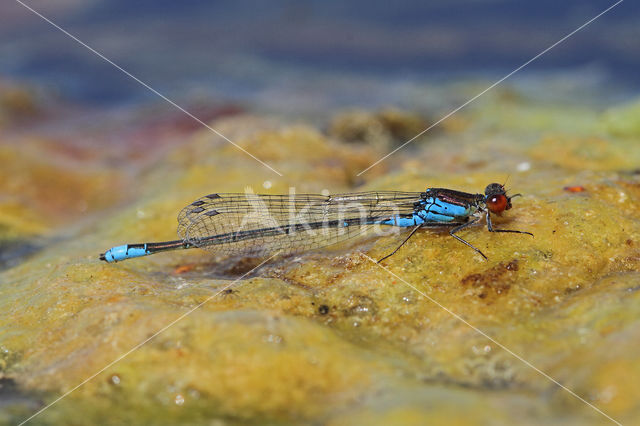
(260, 225)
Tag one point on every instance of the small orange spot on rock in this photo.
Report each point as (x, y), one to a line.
(576, 188)
(184, 268)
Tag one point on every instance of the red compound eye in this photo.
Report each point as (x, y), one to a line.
(497, 203)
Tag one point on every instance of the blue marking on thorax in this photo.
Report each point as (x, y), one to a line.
(435, 217)
(119, 253)
(435, 210)
(429, 210)
(442, 208)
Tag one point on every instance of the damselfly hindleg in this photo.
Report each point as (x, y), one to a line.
(401, 244)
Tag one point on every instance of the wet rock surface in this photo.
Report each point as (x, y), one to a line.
(326, 336)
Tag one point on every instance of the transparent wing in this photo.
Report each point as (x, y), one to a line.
(252, 224)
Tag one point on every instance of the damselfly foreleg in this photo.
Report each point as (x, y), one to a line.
(491, 229)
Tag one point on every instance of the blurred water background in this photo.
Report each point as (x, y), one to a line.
(307, 56)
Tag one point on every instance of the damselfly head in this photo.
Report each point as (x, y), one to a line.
(496, 199)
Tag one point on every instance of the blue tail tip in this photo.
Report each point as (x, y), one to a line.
(127, 251)
(108, 256)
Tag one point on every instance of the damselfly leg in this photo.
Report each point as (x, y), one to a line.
(491, 229)
(453, 231)
(401, 244)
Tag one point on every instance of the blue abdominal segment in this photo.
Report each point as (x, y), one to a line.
(126, 251)
(403, 221)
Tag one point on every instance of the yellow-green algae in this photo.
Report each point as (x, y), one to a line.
(328, 337)
(382, 129)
